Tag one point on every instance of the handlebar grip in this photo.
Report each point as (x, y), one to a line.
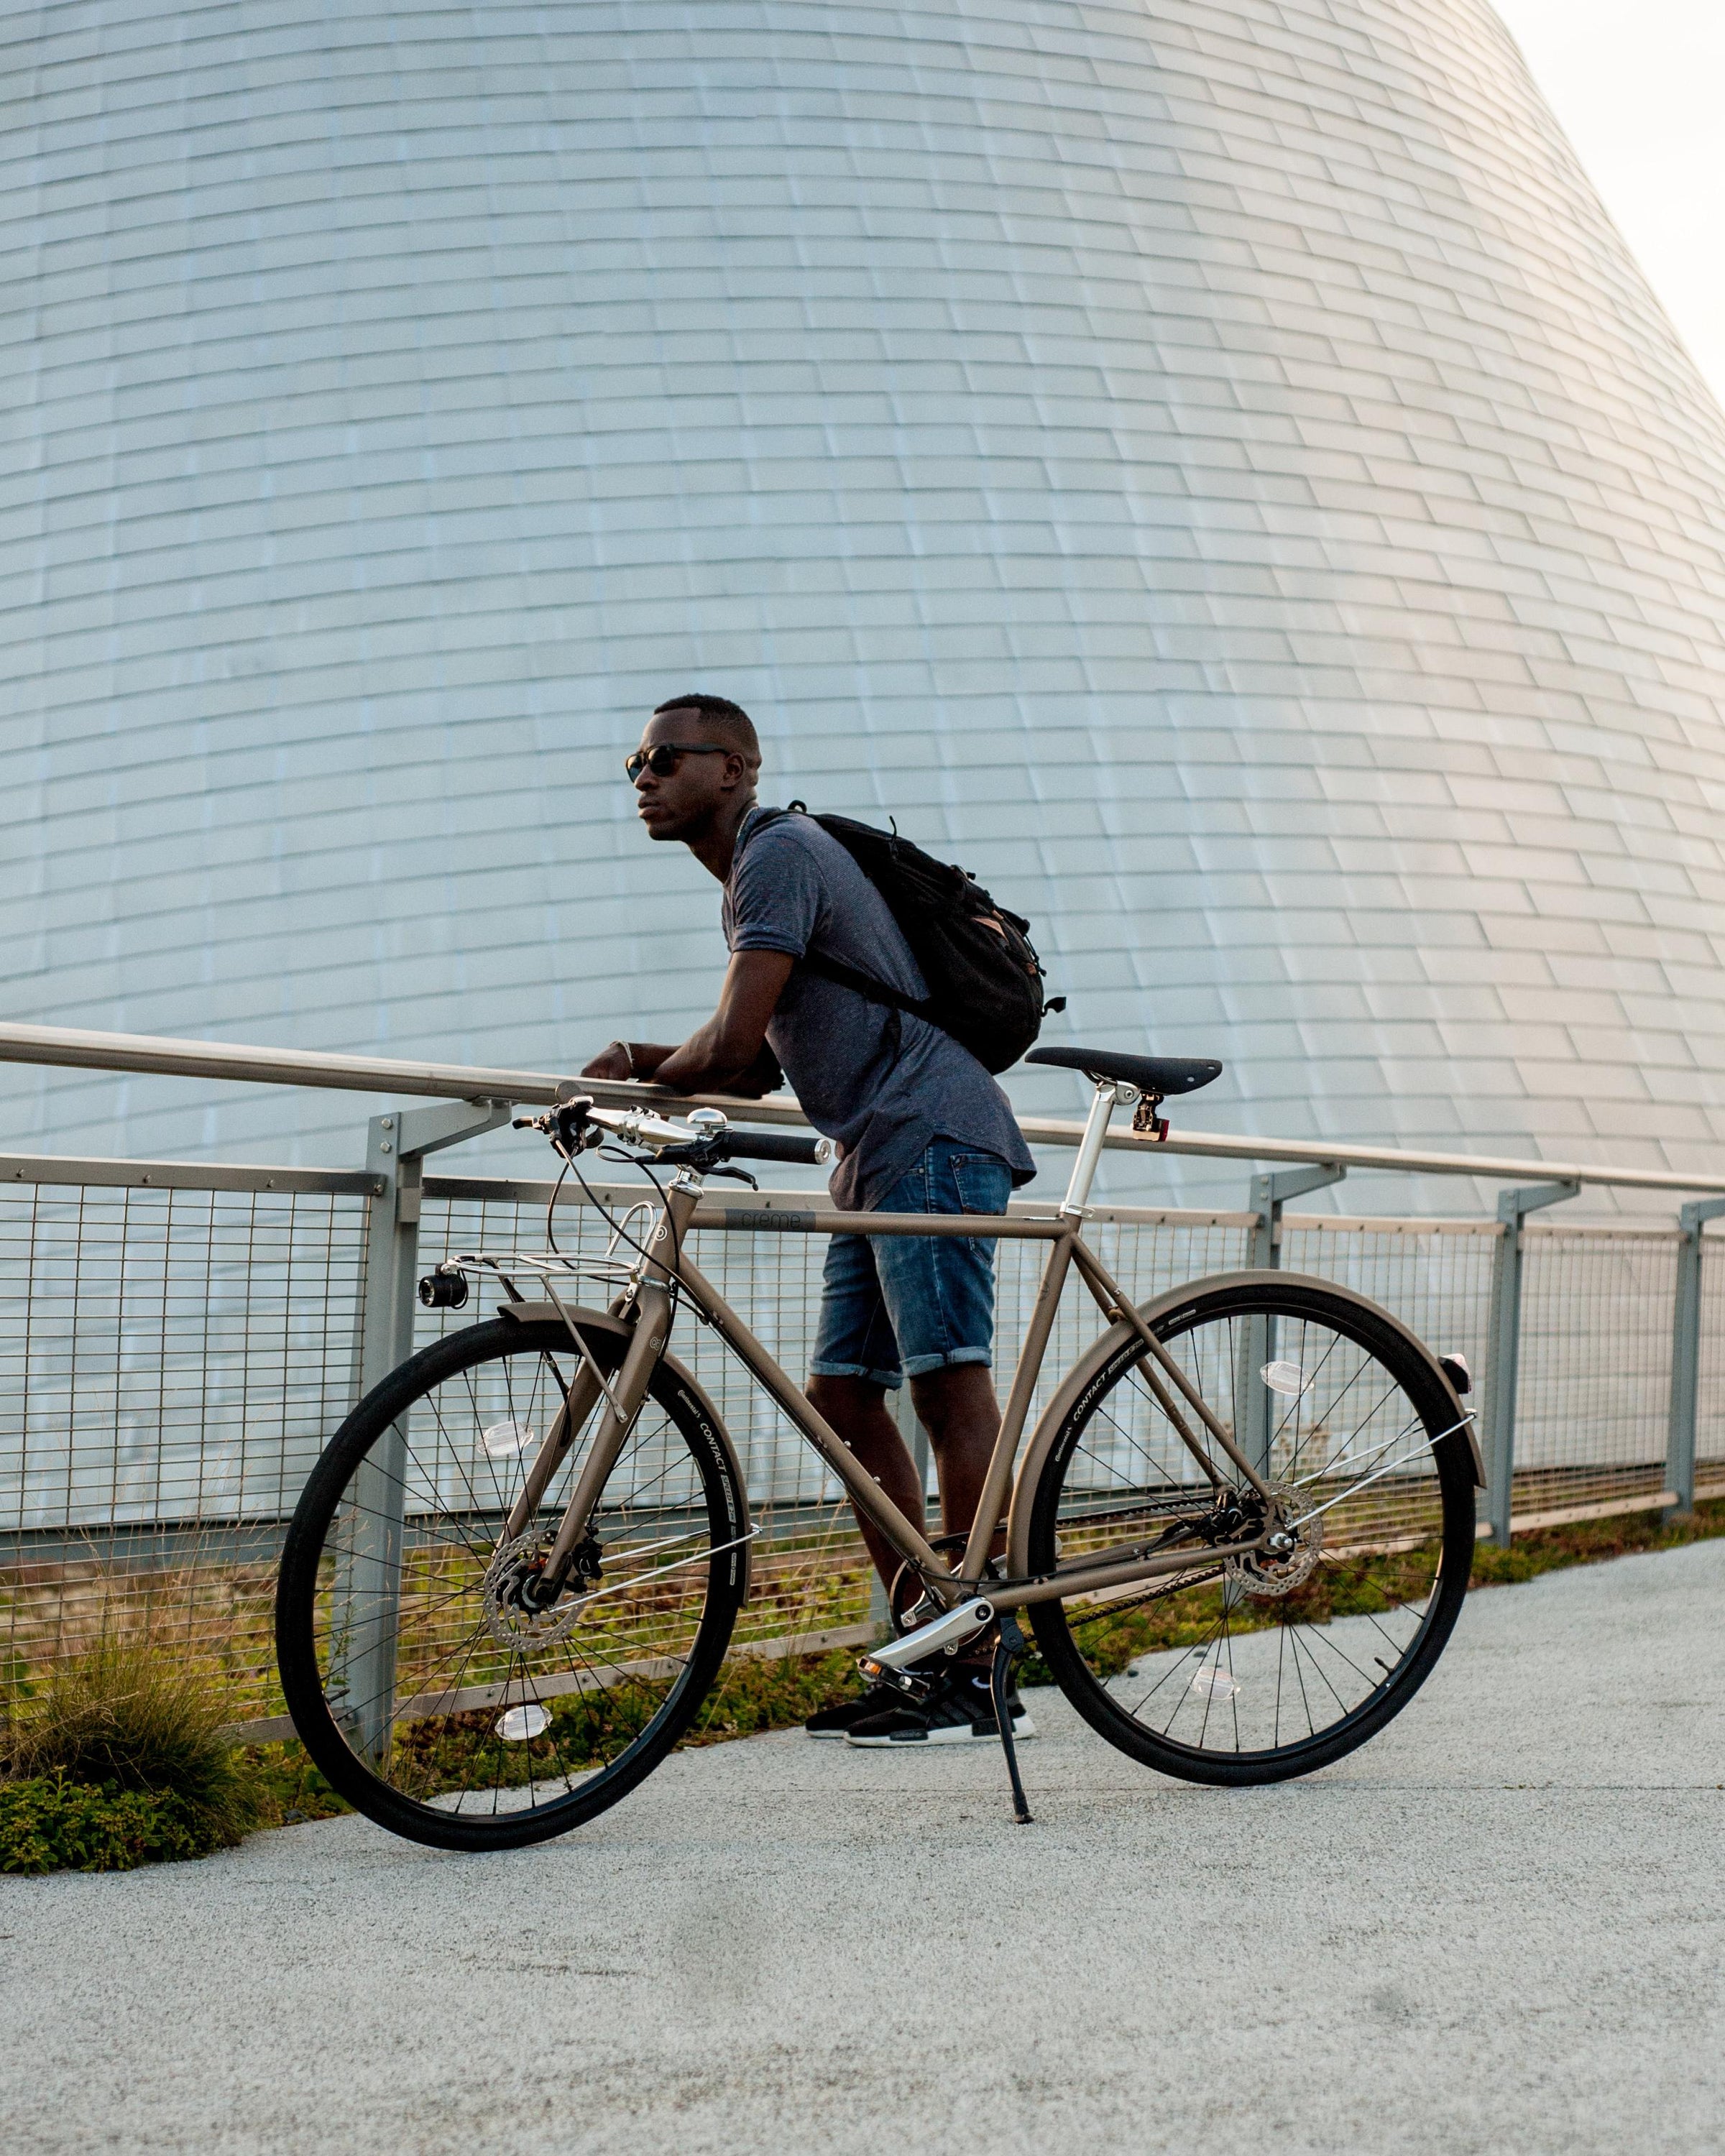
(773, 1145)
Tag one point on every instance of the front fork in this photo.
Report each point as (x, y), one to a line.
(624, 1397)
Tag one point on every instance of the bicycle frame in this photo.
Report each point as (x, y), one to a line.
(1062, 1231)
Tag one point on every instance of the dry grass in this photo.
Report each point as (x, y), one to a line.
(130, 1715)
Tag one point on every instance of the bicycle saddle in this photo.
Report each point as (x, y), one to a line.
(1150, 1073)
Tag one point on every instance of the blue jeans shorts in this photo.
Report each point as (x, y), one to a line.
(904, 1305)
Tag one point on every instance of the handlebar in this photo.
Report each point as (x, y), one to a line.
(775, 1145)
(704, 1140)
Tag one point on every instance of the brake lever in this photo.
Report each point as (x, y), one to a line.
(565, 1125)
(704, 1155)
(736, 1175)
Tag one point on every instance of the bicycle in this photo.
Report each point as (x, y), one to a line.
(1242, 1528)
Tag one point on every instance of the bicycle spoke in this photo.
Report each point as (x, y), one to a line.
(421, 1604)
(1255, 1655)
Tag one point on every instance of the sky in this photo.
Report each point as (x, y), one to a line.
(1639, 88)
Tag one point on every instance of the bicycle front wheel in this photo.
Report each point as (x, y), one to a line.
(438, 1698)
(1253, 1669)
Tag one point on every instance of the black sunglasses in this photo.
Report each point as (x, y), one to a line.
(662, 758)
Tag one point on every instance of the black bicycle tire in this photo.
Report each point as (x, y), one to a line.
(1437, 1407)
(296, 1631)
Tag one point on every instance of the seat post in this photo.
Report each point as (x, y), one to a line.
(1090, 1149)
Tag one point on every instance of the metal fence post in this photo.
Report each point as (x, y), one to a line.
(367, 1586)
(1270, 1193)
(1504, 1345)
(1686, 1352)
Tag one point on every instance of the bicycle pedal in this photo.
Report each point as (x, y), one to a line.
(914, 1687)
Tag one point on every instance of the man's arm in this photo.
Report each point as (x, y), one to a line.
(717, 1054)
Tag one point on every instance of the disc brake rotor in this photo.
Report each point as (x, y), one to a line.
(511, 1617)
(1270, 1572)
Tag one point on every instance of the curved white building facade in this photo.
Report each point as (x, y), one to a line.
(1210, 466)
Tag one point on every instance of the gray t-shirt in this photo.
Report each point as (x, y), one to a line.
(880, 1083)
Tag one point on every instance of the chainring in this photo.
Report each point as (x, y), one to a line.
(1268, 1571)
(511, 1621)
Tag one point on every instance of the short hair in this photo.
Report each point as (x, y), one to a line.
(730, 721)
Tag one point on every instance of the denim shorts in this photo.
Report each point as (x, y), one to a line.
(899, 1306)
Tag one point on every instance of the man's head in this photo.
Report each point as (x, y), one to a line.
(695, 772)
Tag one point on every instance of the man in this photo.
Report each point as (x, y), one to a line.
(918, 1125)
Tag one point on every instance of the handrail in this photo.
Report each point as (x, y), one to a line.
(233, 1062)
(16, 1167)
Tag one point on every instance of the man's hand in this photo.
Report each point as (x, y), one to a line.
(613, 1060)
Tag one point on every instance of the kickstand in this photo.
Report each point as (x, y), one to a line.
(1000, 1682)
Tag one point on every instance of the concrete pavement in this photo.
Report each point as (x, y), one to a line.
(1498, 1928)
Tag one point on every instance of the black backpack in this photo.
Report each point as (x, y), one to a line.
(984, 978)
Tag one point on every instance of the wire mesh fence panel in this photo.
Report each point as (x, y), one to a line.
(1593, 1408)
(1435, 1275)
(1147, 1252)
(1710, 1380)
(173, 1360)
(171, 1363)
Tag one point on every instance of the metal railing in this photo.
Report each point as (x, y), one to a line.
(178, 1340)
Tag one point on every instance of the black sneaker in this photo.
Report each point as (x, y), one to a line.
(839, 1721)
(960, 1709)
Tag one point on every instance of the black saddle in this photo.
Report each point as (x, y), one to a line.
(1151, 1074)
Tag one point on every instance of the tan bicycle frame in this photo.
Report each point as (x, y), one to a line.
(1062, 1231)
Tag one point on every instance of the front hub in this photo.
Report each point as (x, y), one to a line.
(524, 1610)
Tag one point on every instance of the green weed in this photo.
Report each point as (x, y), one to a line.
(131, 1719)
(48, 1823)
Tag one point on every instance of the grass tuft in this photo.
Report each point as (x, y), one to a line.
(128, 1719)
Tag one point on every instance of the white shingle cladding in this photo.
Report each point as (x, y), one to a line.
(1213, 466)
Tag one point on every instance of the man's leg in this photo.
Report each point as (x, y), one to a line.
(936, 1304)
(856, 1359)
(957, 1408)
(956, 1405)
(856, 1408)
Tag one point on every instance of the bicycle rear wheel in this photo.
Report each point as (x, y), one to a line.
(1247, 1669)
(433, 1699)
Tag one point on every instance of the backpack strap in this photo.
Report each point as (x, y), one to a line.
(864, 984)
(834, 970)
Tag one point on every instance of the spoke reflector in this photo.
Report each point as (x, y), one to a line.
(522, 1722)
(1286, 1378)
(505, 1440)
